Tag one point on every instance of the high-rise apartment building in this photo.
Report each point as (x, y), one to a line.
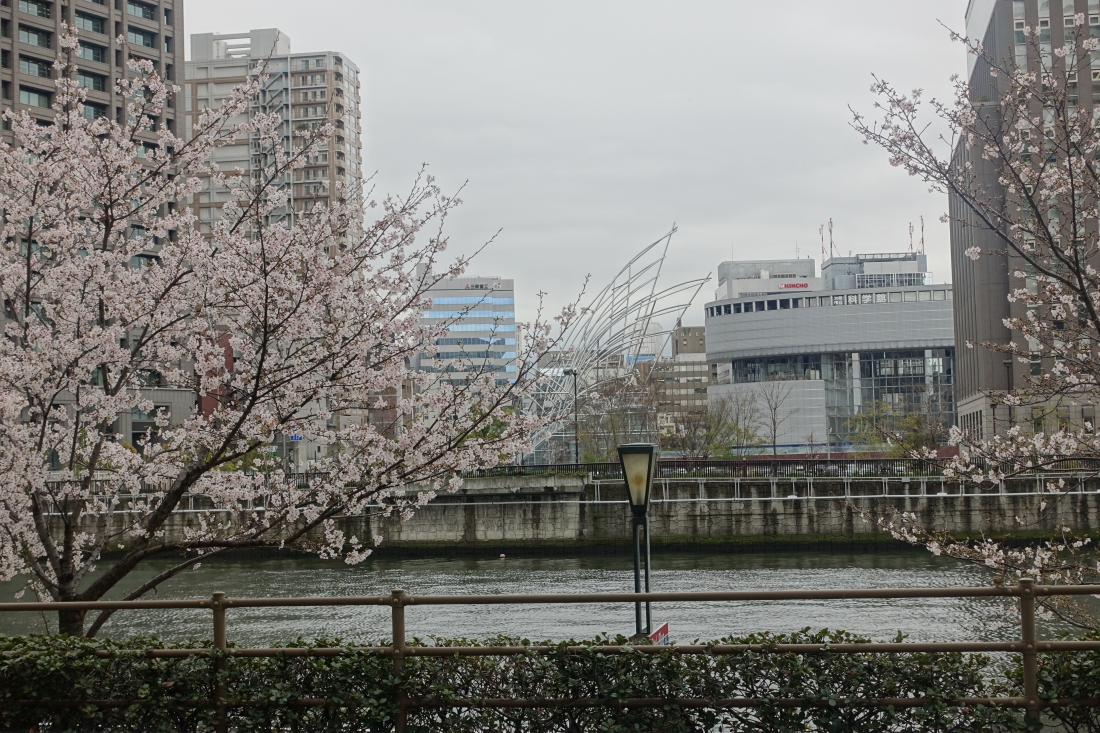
(982, 286)
(29, 29)
(481, 335)
(306, 89)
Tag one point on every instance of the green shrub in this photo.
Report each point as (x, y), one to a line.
(173, 695)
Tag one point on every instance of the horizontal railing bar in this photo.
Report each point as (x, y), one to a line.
(104, 605)
(713, 596)
(567, 598)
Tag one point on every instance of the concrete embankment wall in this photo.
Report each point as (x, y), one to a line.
(567, 515)
(550, 513)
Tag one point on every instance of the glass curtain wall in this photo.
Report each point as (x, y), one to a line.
(907, 382)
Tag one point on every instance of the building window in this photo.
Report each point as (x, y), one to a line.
(1088, 417)
(736, 307)
(726, 309)
(138, 37)
(30, 7)
(34, 67)
(34, 37)
(92, 52)
(34, 98)
(90, 23)
(93, 111)
(95, 82)
(140, 10)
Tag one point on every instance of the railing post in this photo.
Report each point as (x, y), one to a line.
(221, 717)
(1027, 636)
(397, 610)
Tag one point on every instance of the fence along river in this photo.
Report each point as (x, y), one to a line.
(709, 505)
(927, 619)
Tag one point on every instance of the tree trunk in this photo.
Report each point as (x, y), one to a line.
(70, 622)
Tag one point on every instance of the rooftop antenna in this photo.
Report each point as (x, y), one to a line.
(796, 255)
(910, 236)
(831, 237)
(922, 233)
(821, 231)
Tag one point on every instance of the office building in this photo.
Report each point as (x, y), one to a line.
(480, 314)
(680, 382)
(306, 89)
(150, 30)
(983, 285)
(871, 329)
(29, 30)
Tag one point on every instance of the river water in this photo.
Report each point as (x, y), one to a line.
(920, 619)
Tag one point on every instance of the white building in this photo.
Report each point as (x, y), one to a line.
(872, 329)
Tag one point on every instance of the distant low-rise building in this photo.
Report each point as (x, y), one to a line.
(680, 382)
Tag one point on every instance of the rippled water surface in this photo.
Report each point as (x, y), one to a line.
(921, 619)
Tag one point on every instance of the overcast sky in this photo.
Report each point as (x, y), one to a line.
(583, 130)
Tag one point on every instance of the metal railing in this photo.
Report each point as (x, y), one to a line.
(1029, 646)
(787, 468)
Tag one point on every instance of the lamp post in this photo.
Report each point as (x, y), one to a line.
(576, 423)
(639, 463)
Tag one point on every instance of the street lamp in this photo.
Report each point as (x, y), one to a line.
(639, 464)
(576, 423)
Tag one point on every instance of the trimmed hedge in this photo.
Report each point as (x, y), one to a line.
(173, 695)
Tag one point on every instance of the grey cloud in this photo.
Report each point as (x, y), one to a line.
(586, 128)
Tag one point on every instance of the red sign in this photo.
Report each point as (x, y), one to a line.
(660, 636)
(794, 286)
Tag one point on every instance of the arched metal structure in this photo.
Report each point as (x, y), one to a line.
(616, 331)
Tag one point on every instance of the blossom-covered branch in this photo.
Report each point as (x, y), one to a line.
(302, 325)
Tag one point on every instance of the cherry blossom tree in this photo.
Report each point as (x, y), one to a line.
(1019, 149)
(276, 326)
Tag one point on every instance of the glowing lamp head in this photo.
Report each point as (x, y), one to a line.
(639, 464)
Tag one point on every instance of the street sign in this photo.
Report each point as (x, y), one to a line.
(295, 437)
(660, 636)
